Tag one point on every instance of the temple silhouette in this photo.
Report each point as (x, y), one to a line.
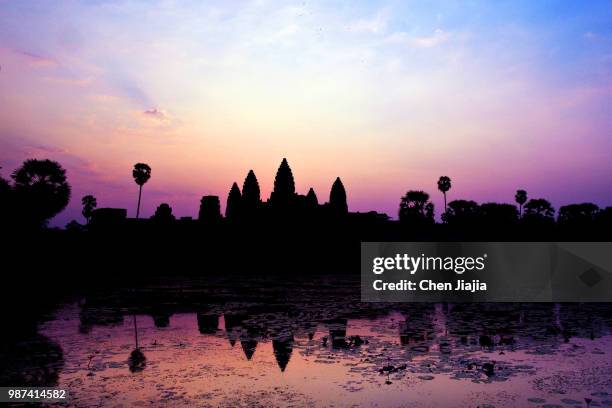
(301, 217)
(247, 205)
(40, 190)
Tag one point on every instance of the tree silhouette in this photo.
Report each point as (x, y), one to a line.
(41, 189)
(141, 174)
(137, 359)
(74, 226)
(250, 194)
(604, 218)
(311, 198)
(89, 204)
(284, 185)
(444, 184)
(539, 209)
(232, 207)
(416, 207)
(5, 199)
(337, 197)
(461, 213)
(498, 215)
(4, 186)
(578, 214)
(521, 198)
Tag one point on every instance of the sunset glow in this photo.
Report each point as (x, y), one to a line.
(386, 95)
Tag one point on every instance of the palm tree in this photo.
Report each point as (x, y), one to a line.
(41, 189)
(461, 212)
(497, 215)
(578, 214)
(141, 174)
(416, 207)
(539, 208)
(444, 184)
(89, 203)
(521, 198)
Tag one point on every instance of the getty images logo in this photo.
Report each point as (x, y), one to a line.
(413, 264)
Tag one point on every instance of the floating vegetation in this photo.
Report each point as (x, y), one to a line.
(316, 344)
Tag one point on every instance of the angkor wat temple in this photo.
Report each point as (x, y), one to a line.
(247, 205)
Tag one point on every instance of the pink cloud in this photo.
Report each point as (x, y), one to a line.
(37, 61)
(68, 81)
(156, 114)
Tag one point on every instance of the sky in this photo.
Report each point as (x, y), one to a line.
(387, 95)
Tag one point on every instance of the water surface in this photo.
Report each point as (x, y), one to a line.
(256, 343)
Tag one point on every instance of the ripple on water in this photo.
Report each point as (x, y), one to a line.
(338, 351)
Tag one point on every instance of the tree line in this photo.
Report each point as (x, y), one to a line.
(417, 208)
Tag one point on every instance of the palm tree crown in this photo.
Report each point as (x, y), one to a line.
(444, 184)
(416, 207)
(521, 198)
(539, 208)
(89, 204)
(141, 174)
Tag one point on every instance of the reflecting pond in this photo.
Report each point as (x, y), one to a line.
(248, 342)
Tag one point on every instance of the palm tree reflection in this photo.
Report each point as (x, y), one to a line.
(137, 359)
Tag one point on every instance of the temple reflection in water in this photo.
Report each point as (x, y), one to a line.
(309, 338)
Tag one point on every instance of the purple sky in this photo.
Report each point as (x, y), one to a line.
(387, 95)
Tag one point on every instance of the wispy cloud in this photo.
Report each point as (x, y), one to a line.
(156, 114)
(37, 61)
(375, 25)
(36, 150)
(68, 81)
(134, 92)
(438, 37)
